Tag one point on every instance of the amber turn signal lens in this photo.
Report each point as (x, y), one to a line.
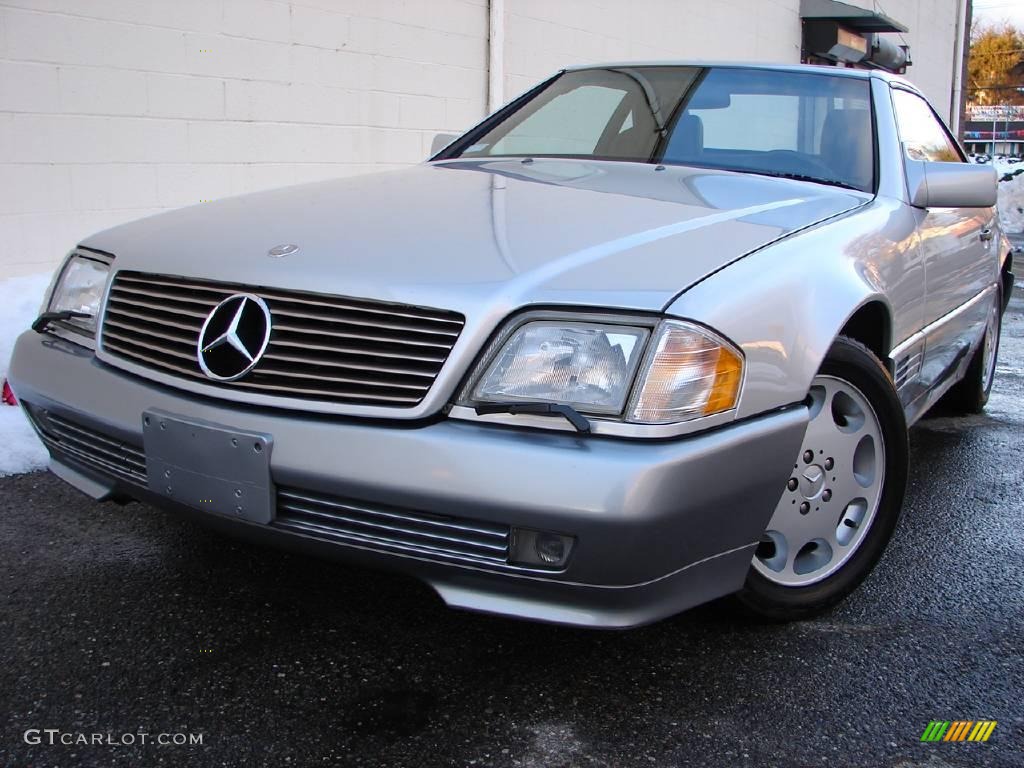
(725, 391)
(691, 372)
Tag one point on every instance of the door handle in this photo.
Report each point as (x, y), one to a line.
(986, 234)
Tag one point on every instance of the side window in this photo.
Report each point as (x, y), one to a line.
(569, 124)
(920, 130)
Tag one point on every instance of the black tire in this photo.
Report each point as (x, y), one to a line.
(971, 393)
(853, 362)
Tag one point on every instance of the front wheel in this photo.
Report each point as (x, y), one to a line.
(840, 506)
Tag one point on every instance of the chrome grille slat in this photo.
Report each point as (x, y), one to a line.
(119, 293)
(97, 451)
(484, 529)
(177, 310)
(321, 300)
(293, 391)
(147, 345)
(149, 332)
(336, 520)
(437, 359)
(104, 445)
(92, 435)
(441, 317)
(381, 543)
(326, 394)
(290, 327)
(279, 311)
(323, 348)
(91, 448)
(348, 366)
(91, 460)
(130, 318)
(360, 522)
(156, 362)
(270, 370)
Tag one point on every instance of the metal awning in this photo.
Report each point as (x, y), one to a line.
(852, 16)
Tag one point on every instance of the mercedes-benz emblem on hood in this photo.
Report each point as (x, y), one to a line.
(234, 337)
(280, 251)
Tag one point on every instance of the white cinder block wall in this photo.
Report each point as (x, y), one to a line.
(115, 109)
(544, 35)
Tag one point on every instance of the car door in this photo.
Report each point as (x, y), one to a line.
(955, 246)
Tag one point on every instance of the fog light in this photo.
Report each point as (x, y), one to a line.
(550, 550)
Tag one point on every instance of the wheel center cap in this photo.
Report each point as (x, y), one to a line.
(812, 481)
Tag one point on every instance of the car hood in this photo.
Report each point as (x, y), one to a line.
(485, 237)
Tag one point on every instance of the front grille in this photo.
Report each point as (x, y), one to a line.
(94, 449)
(383, 527)
(322, 347)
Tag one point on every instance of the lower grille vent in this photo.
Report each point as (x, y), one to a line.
(380, 526)
(94, 449)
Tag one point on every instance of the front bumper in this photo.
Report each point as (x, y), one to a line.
(660, 526)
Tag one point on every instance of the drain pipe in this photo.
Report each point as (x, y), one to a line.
(956, 102)
(496, 55)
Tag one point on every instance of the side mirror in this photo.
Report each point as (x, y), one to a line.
(950, 185)
(441, 140)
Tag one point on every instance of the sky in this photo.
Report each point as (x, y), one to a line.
(999, 10)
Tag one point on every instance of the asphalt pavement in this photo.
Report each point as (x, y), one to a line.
(125, 620)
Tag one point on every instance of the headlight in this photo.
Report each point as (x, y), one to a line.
(590, 367)
(80, 289)
(686, 372)
(689, 372)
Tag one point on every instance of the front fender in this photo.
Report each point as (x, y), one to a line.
(785, 304)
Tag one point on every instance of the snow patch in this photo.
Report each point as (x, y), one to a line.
(20, 449)
(1011, 204)
(20, 297)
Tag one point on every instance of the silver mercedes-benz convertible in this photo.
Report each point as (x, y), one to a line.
(650, 335)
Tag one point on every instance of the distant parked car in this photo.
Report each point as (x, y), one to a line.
(647, 336)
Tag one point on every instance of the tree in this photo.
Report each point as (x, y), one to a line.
(995, 69)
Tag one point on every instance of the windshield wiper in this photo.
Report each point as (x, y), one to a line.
(41, 322)
(800, 177)
(571, 415)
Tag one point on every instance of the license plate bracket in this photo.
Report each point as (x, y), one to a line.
(208, 466)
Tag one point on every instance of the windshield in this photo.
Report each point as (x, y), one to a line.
(801, 125)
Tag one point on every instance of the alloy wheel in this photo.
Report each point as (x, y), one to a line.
(991, 345)
(831, 498)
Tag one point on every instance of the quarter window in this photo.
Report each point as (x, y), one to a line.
(922, 134)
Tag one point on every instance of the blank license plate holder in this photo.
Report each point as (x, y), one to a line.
(208, 466)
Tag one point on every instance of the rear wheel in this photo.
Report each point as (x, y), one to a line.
(970, 395)
(841, 504)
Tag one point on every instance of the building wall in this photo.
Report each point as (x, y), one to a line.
(544, 35)
(932, 40)
(115, 109)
